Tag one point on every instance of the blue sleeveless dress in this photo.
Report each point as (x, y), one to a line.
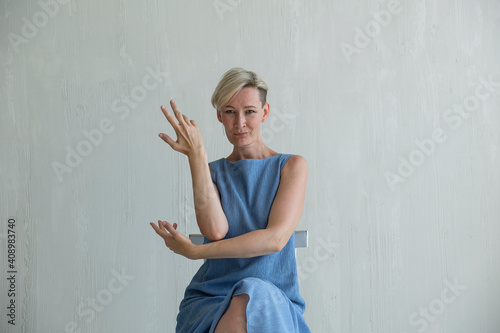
(247, 189)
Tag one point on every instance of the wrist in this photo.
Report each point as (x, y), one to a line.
(198, 154)
(195, 252)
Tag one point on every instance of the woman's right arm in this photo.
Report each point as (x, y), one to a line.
(209, 214)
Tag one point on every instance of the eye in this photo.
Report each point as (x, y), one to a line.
(250, 111)
(229, 111)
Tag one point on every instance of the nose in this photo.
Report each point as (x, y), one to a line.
(240, 121)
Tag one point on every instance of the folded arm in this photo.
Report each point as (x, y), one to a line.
(283, 219)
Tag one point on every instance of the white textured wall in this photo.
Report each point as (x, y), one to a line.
(401, 131)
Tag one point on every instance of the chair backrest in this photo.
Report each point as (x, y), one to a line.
(300, 238)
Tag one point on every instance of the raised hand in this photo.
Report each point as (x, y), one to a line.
(174, 239)
(189, 140)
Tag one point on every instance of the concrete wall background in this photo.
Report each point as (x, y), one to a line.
(394, 105)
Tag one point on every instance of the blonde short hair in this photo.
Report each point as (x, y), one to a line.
(233, 81)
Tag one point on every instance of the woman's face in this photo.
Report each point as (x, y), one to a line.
(242, 117)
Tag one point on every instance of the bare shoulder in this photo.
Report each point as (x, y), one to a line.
(295, 165)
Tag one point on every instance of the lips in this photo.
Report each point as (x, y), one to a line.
(241, 134)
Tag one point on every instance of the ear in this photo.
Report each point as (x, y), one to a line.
(266, 109)
(219, 116)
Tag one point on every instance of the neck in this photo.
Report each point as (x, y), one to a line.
(259, 151)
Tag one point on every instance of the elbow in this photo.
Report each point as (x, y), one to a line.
(213, 229)
(216, 235)
(278, 243)
(277, 248)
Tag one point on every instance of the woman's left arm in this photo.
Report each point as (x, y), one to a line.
(283, 219)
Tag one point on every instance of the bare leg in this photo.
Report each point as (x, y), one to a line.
(234, 320)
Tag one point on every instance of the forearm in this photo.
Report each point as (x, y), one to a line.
(255, 243)
(209, 214)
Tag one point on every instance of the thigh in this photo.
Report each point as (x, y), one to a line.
(234, 319)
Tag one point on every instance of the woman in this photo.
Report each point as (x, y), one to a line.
(247, 206)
